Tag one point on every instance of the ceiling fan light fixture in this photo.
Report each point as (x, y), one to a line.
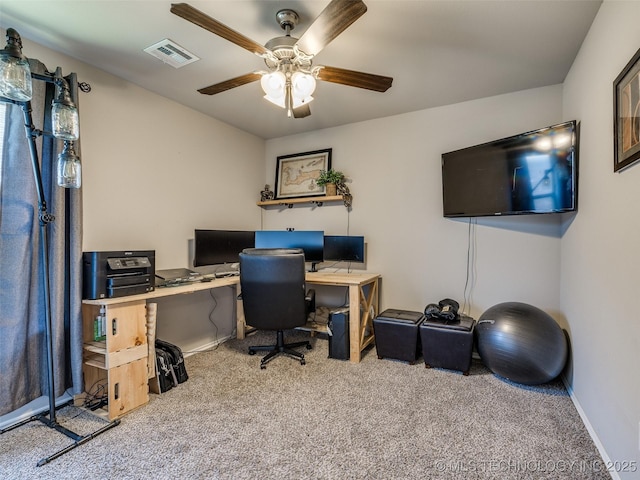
(276, 101)
(298, 89)
(274, 86)
(303, 85)
(291, 79)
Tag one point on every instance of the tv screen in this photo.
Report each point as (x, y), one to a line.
(310, 241)
(214, 247)
(344, 248)
(531, 173)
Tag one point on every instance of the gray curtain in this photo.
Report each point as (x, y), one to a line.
(23, 359)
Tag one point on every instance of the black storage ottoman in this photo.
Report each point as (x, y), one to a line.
(397, 336)
(448, 344)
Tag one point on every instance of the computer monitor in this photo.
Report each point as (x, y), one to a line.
(310, 241)
(214, 247)
(341, 248)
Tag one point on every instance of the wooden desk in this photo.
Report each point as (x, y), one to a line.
(119, 360)
(363, 305)
(167, 291)
(364, 299)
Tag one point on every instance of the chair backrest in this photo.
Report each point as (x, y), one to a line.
(272, 281)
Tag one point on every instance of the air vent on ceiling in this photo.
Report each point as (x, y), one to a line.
(170, 52)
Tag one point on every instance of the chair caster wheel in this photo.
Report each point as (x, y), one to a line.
(262, 367)
(251, 352)
(302, 362)
(379, 357)
(309, 347)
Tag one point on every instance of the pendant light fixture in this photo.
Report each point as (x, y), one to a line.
(69, 167)
(15, 74)
(16, 86)
(16, 89)
(65, 124)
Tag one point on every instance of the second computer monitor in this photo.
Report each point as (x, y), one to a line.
(341, 248)
(310, 241)
(213, 247)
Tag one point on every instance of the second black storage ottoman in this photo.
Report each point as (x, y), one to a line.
(396, 334)
(448, 345)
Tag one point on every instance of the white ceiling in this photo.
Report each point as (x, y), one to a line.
(438, 52)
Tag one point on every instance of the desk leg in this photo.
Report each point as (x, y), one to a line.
(240, 322)
(354, 323)
(359, 337)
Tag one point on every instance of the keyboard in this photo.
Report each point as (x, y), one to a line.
(227, 273)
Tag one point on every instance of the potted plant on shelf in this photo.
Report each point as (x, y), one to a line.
(330, 179)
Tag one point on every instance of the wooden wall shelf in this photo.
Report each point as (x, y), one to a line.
(290, 202)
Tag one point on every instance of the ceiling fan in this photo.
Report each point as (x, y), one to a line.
(291, 76)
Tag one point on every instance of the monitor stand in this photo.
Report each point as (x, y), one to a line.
(313, 266)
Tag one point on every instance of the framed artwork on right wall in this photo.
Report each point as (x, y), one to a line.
(626, 115)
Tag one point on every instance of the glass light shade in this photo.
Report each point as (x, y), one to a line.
(303, 85)
(276, 101)
(15, 78)
(273, 85)
(64, 121)
(69, 168)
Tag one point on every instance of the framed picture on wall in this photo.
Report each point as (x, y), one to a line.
(296, 174)
(626, 115)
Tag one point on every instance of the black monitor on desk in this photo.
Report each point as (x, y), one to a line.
(215, 247)
(310, 241)
(344, 248)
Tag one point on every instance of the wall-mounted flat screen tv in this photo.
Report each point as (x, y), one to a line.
(531, 173)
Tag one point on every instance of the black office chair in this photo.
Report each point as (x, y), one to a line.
(274, 296)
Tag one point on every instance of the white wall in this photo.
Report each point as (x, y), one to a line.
(153, 170)
(600, 256)
(395, 167)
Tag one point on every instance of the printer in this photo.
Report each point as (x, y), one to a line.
(118, 273)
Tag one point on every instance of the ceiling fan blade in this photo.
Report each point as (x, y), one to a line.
(302, 111)
(331, 22)
(203, 20)
(377, 83)
(229, 84)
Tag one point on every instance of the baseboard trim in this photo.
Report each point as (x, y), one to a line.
(587, 424)
(35, 407)
(208, 346)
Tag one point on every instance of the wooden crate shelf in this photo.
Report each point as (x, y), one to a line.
(119, 362)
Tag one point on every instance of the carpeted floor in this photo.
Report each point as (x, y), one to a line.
(328, 419)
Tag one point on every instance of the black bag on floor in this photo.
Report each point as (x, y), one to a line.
(177, 360)
(164, 371)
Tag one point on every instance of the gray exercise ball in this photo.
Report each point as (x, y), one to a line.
(521, 343)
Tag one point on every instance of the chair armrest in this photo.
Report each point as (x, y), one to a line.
(310, 300)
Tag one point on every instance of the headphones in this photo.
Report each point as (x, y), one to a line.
(445, 311)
